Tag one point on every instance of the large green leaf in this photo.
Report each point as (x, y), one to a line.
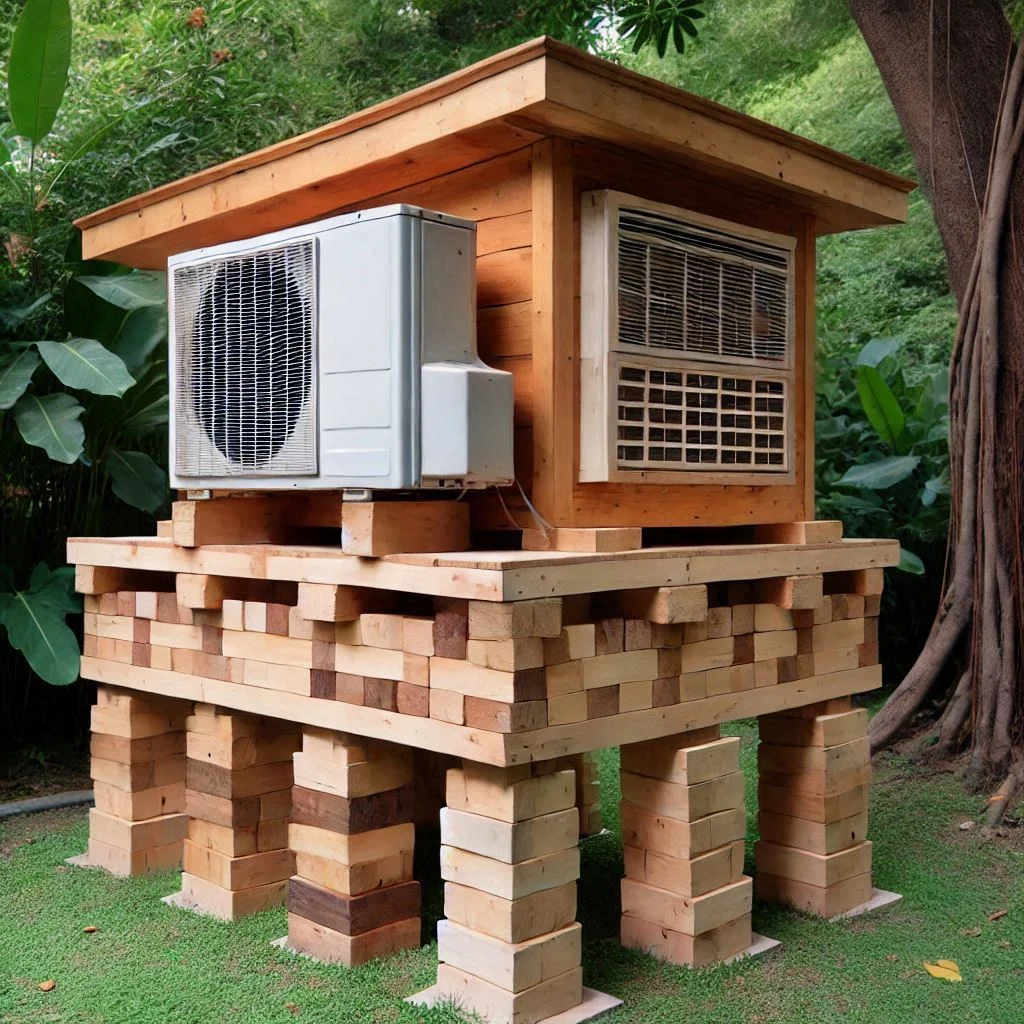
(909, 562)
(53, 423)
(35, 624)
(881, 474)
(876, 350)
(128, 291)
(141, 333)
(16, 369)
(137, 479)
(880, 406)
(84, 364)
(37, 74)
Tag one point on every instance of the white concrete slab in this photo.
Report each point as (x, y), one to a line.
(761, 944)
(879, 898)
(594, 1004)
(177, 899)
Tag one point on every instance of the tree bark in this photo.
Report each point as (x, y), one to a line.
(952, 73)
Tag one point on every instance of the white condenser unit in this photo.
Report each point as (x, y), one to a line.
(340, 354)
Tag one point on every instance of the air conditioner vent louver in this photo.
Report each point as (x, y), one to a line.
(689, 419)
(700, 290)
(245, 336)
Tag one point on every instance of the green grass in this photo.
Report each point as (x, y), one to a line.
(150, 963)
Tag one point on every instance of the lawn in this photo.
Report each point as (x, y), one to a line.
(150, 963)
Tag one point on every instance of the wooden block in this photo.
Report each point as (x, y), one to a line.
(136, 726)
(825, 531)
(792, 591)
(497, 716)
(361, 848)
(821, 731)
(227, 520)
(637, 635)
(513, 967)
(665, 692)
(127, 751)
(844, 633)
(447, 706)
(352, 879)
(777, 644)
(510, 881)
(867, 654)
(686, 803)
(272, 835)
(510, 842)
(872, 605)
(243, 751)
(140, 804)
(474, 681)
(566, 708)
(711, 947)
(847, 606)
(353, 915)
(368, 661)
(647, 830)
(689, 915)
(327, 602)
(707, 654)
(733, 679)
(766, 673)
(666, 604)
(511, 921)
(866, 582)
(636, 696)
(225, 840)
(492, 620)
(325, 944)
(816, 869)
(381, 630)
(687, 766)
(609, 538)
(609, 636)
(126, 862)
(236, 873)
(507, 655)
(351, 816)
(505, 795)
(834, 762)
(500, 1006)
(237, 813)
(412, 699)
(418, 636)
(372, 529)
(602, 701)
(813, 807)
(719, 623)
(836, 660)
(135, 836)
(743, 618)
(355, 780)
(197, 590)
(826, 902)
(451, 627)
(814, 836)
(770, 617)
(165, 771)
(252, 781)
(692, 876)
(688, 686)
(231, 905)
(563, 678)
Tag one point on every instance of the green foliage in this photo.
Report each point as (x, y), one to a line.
(38, 70)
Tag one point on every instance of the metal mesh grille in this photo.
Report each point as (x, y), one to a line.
(244, 329)
(692, 419)
(702, 291)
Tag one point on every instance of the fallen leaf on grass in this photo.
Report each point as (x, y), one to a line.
(89, 929)
(47, 986)
(947, 970)
(891, 957)
(995, 915)
(966, 826)
(971, 933)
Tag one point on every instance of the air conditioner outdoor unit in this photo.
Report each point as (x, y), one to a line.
(340, 354)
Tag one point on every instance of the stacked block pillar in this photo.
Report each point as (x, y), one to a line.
(510, 947)
(353, 897)
(685, 897)
(238, 797)
(138, 771)
(814, 777)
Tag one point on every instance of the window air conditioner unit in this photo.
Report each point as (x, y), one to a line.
(687, 365)
(340, 354)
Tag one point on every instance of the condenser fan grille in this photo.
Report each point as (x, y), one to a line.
(245, 333)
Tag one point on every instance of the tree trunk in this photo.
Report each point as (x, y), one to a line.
(953, 74)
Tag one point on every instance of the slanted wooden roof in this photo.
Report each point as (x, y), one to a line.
(540, 88)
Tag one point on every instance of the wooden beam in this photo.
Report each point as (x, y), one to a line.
(371, 529)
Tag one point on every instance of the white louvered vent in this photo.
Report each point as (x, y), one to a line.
(687, 363)
(245, 334)
(701, 291)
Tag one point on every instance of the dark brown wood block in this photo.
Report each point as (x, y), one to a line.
(529, 684)
(277, 618)
(222, 811)
(602, 701)
(380, 693)
(610, 636)
(140, 631)
(322, 683)
(353, 915)
(788, 669)
(451, 627)
(743, 649)
(804, 641)
(349, 816)
(223, 782)
(141, 654)
(666, 692)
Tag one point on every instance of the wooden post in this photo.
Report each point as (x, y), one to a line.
(509, 947)
(815, 773)
(352, 897)
(238, 796)
(138, 771)
(685, 897)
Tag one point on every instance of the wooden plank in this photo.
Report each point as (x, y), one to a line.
(692, 876)
(580, 539)
(690, 915)
(350, 815)
(376, 528)
(508, 797)
(243, 520)
(685, 803)
(646, 830)
(510, 881)
(510, 842)
(353, 915)
(711, 947)
(510, 921)
(352, 879)
(814, 836)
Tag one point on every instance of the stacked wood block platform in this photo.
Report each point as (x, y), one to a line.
(238, 797)
(814, 778)
(510, 948)
(685, 897)
(352, 897)
(138, 771)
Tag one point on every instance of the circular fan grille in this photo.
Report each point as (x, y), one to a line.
(252, 352)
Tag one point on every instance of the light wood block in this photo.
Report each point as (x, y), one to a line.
(826, 902)
(326, 602)
(237, 873)
(499, 793)
(841, 634)
(710, 947)
(609, 538)
(821, 731)
(687, 766)
(626, 667)
(227, 520)
(511, 620)
(499, 1006)
(139, 805)
(228, 905)
(691, 876)
(127, 862)
(707, 654)
(813, 836)
(352, 879)
(137, 836)
(360, 848)
(508, 842)
(326, 944)
(510, 881)
(361, 778)
(510, 921)
(372, 529)
(380, 629)
(690, 915)
(667, 604)
(813, 806)
(771, 617)
(513, 967)
(685, 803)
(818, 784)
(507, 655)
(835, 760)
(793, 591)
(822, 870)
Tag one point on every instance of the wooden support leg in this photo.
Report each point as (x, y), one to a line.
(509, 947)
(352, 897)
(138, 770)
(685, 898)
(238, 797)
(815, 773)
(588, 791)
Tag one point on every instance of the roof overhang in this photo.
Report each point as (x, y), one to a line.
(537, 89)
